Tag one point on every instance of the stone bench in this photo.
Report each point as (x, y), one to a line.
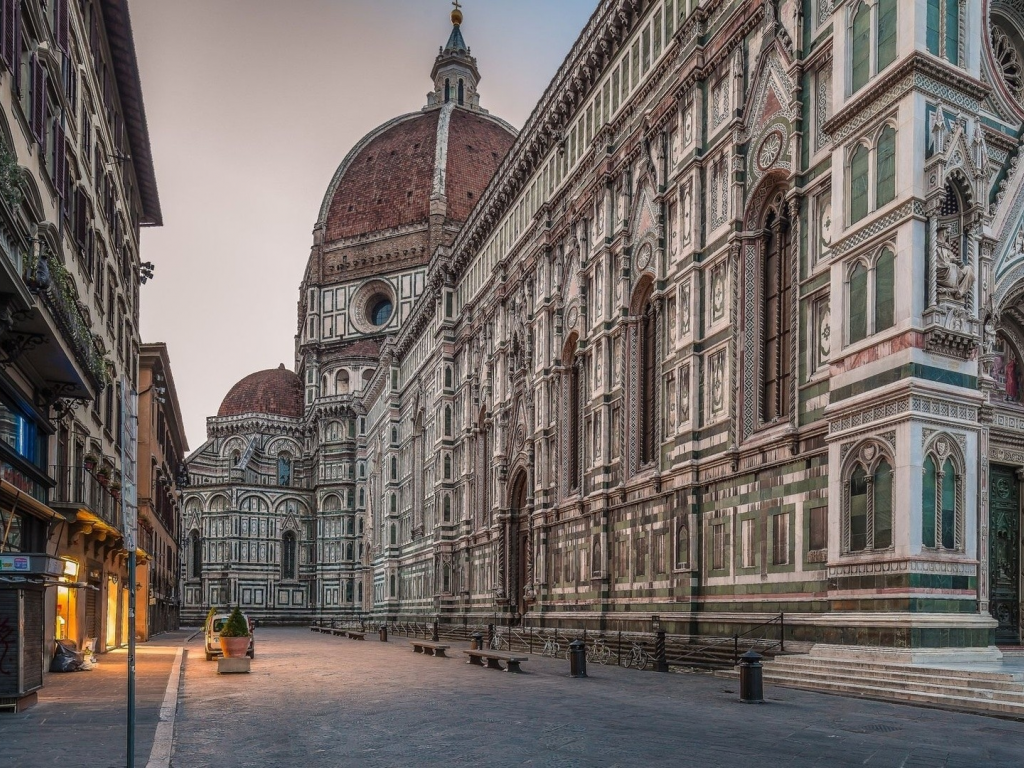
(354, 635)
(436, 649)
(493, 659)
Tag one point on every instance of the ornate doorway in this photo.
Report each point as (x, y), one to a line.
(1004, 553)
(519, 528)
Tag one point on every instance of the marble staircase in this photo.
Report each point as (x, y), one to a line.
(993, 688)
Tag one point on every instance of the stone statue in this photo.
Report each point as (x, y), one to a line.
(954, 279)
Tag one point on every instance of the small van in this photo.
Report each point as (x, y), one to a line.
(211, 633)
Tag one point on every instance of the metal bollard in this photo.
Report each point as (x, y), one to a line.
(751, 678)
(660, 661)
(577, 659)
(383, 633)
(490, 636)
(433, 631)
(476, 641)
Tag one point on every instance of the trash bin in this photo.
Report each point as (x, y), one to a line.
(383, 633)
(751, 679)
(577, 659)
(476, 641)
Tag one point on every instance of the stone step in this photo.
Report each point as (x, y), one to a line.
(891, 667)
(903, 674)
(948, 701)
(822, 678)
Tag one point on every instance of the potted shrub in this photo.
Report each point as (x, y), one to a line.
(90, 461)
(103, 475)
(234, 636)
(115, 489)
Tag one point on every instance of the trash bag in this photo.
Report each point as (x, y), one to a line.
(66, 657)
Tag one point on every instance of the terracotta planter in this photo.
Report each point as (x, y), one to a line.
(234, 647)
(103, 479)
(90, 465)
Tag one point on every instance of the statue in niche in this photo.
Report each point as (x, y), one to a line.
(954, 279)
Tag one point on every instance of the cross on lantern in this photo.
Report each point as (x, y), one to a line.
(457, 4)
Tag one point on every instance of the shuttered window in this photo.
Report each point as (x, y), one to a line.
(858, 303)
(861, 46)
(885, 291)
(886, 25)
(932, 26)
(885, 159)
(859, 184)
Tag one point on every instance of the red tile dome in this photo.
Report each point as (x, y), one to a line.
(275, 392)
(388, 179)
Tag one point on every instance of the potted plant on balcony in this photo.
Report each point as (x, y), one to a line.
(115, 489)
(90, 461)
(234, 636)
(103, 475)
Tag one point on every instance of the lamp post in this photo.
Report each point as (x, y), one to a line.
(129, 510)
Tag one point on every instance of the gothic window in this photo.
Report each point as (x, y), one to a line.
(447, 467)
(447, 421)
(236, 458)
(447, 509)
(284, 469)
(462, 92)
(859, 183)
(872, 40)
(648, 382)
(448, 377)
(868, 489)
(288, 556)
(941, 500)
(885, 24)
(885, 290)
(341, 383)
(942, 29)
(858, 302)
(394, 504)
(860, 45)
(682, 545)
(350, 551)
(885, 167)
(780, 539)
(394, 535)
(394, 467)
(447, 90)
(574, 393)
(196, 554)
(776, 321)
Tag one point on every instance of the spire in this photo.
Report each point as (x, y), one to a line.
(455, 74)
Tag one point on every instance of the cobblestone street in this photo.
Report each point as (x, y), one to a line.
(325, 701)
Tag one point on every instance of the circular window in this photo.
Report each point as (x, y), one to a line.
(380, 309)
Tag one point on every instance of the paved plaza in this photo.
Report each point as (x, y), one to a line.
(324, 701)
(315, 700)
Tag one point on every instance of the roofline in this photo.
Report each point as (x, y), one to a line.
(120, 39)
(158, 349)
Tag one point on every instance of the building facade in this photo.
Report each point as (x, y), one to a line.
(162, 447)
(77, 184)
(733, 330)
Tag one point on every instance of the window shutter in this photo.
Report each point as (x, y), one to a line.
(932, 27)
(885, 157)
(886, 33)
(859, 184)
(60, 165)
(80, 214)
(5, 32)
(62, 33)
(15, 40)
(885, 291)
(861, 46)
(858, 303)
(38, 120)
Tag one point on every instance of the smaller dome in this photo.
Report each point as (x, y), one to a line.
(275, 392)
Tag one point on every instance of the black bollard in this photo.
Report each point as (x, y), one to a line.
(433, 631)
(383, 633)
(751, 679)
(660, 661)
(577, 659)
(490, 636)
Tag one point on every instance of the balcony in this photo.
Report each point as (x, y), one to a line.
(79, 492)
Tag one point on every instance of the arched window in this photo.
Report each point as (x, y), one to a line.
(573, 405)
(942, 29)
(394, 535)
(348, 591)
(447, 421)
(341, 383)
(350, 551)
(858, 302)
(351, 527)
(236, 458)
(885, 167)
(940, 503)
(394, 467)
(859, 182)
(885, 290)
(394, 504)
(447, 467)
(447, 90)
(860, 46)
(446, 578)
(196, 552)
(359, 592)
(284, 469)
(647, 342)
(682, 546)
(447, 509)
(448, 377)
(462, 92)
(885, 25)
(868, 502)
(776, 320)
(288, 556)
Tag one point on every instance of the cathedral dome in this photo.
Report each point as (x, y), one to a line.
(275, 392)
(391, 178)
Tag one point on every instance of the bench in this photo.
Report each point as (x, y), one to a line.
(355, 635)
(436, 649)
(493, 658)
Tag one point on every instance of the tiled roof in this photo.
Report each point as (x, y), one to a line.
(476, 146)
(276, 392)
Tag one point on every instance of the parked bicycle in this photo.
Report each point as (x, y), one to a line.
(551, 647)
(600, 652)
(638, 657)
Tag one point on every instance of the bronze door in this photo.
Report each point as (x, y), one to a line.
(1004, 553)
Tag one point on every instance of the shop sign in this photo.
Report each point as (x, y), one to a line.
(15, 564)
(31, 564)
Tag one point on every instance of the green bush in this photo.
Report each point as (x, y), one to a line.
(236, 625)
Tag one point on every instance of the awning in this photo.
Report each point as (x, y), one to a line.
(98, 523)
(12, 497)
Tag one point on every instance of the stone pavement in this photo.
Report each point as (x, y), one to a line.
(80, 719)
(314, 700)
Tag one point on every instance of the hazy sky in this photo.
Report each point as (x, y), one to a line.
(252, 105)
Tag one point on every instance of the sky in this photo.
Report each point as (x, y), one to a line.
(252, 105)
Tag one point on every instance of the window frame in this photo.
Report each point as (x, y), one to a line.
(871, 306)
(940, 458)
(867, 457)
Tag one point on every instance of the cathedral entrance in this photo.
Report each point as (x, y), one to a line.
(1004, 553)
(519, 527)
